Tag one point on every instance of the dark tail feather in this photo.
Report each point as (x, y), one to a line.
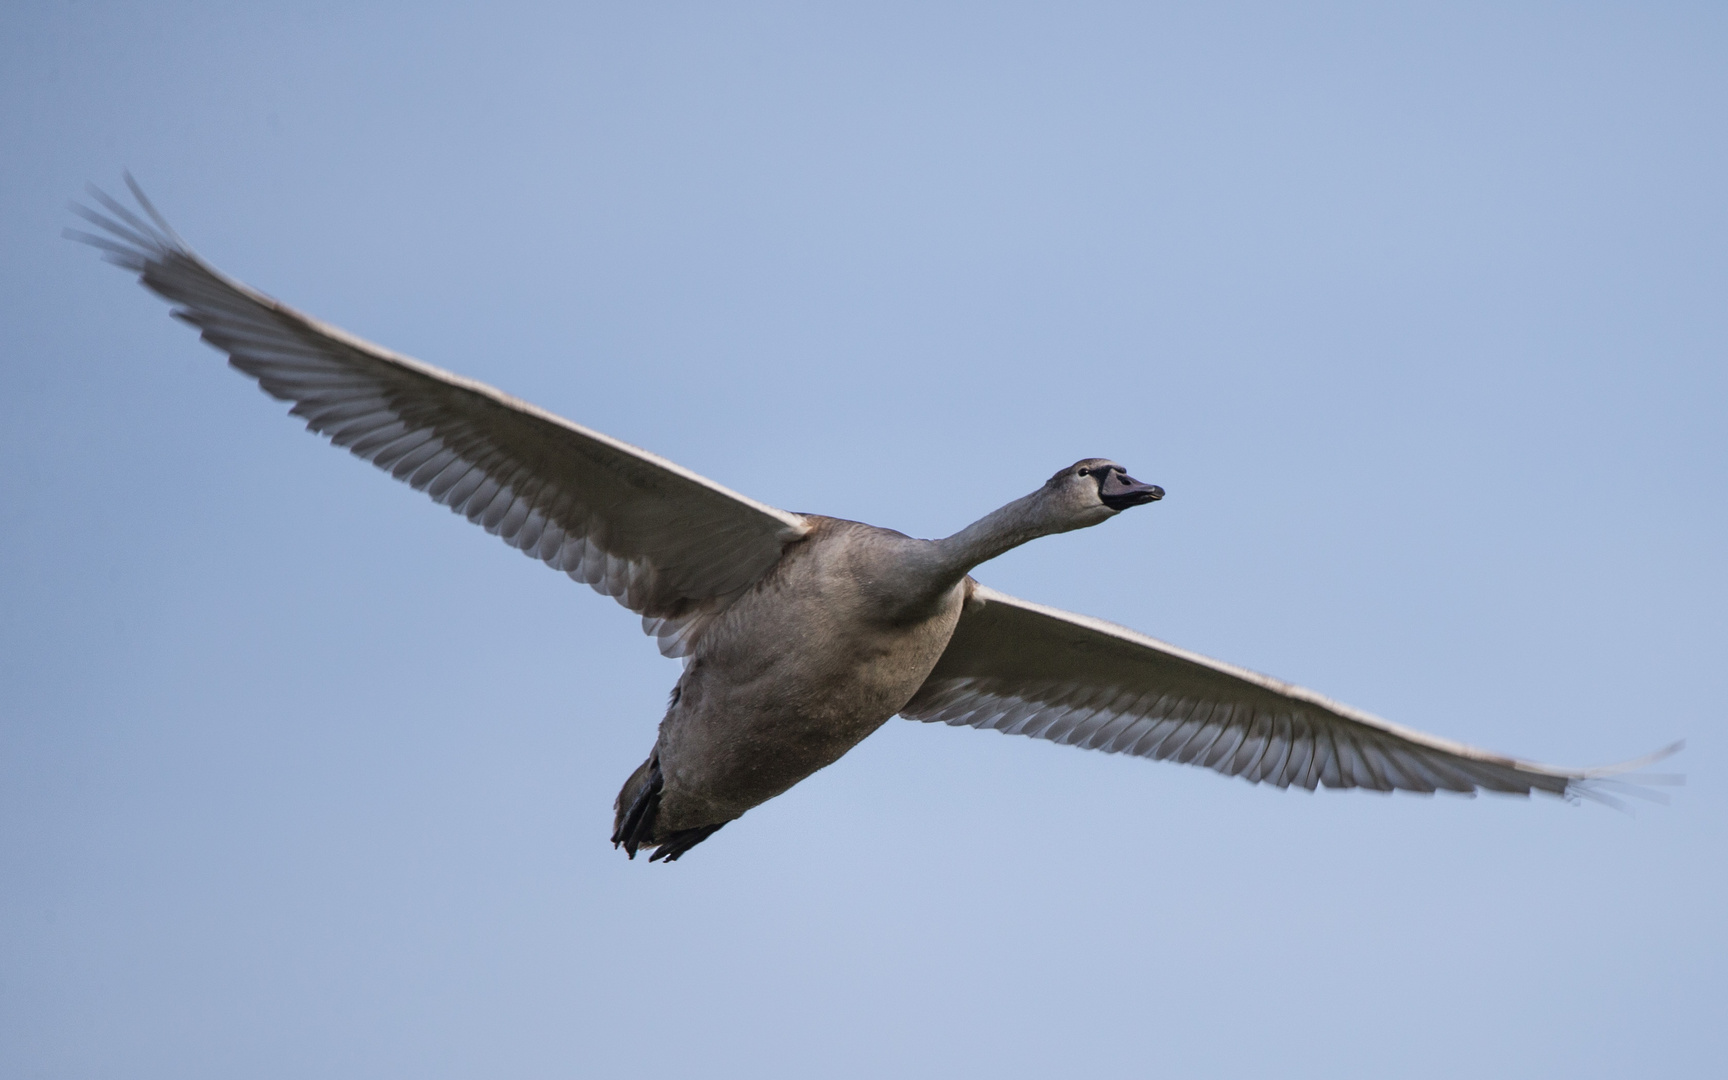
(683, 840)
(636, 824)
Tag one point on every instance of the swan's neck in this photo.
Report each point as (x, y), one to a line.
(996, 532)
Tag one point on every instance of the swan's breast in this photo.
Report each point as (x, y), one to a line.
(833, 621)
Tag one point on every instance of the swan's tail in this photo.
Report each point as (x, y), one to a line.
(637, 806)
(637, 811)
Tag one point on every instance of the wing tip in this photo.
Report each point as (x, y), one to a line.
(126, 239)
(1612, 785)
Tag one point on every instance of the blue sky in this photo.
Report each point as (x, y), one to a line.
(1417, 315)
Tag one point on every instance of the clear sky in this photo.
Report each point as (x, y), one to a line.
(1418, 315)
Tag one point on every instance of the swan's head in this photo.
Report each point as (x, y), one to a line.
(1097, 489)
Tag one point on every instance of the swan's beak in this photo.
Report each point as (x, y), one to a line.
(1120, 491)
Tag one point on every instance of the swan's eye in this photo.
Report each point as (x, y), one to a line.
(1085, 472)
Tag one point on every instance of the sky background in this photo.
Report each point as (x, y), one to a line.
(1417, 313)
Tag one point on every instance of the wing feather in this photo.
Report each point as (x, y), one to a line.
(1030, 670)
(665, 542)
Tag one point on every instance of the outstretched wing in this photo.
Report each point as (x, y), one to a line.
(1025, 669)
(665, 542)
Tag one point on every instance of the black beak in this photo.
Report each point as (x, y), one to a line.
(1120, 491)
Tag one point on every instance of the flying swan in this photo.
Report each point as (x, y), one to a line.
(800, 634)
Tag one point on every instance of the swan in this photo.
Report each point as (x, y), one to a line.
(801, 634)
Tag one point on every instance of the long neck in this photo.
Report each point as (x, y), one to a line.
(951, 558)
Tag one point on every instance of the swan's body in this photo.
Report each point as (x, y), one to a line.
(801, 634)
(821, 652)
